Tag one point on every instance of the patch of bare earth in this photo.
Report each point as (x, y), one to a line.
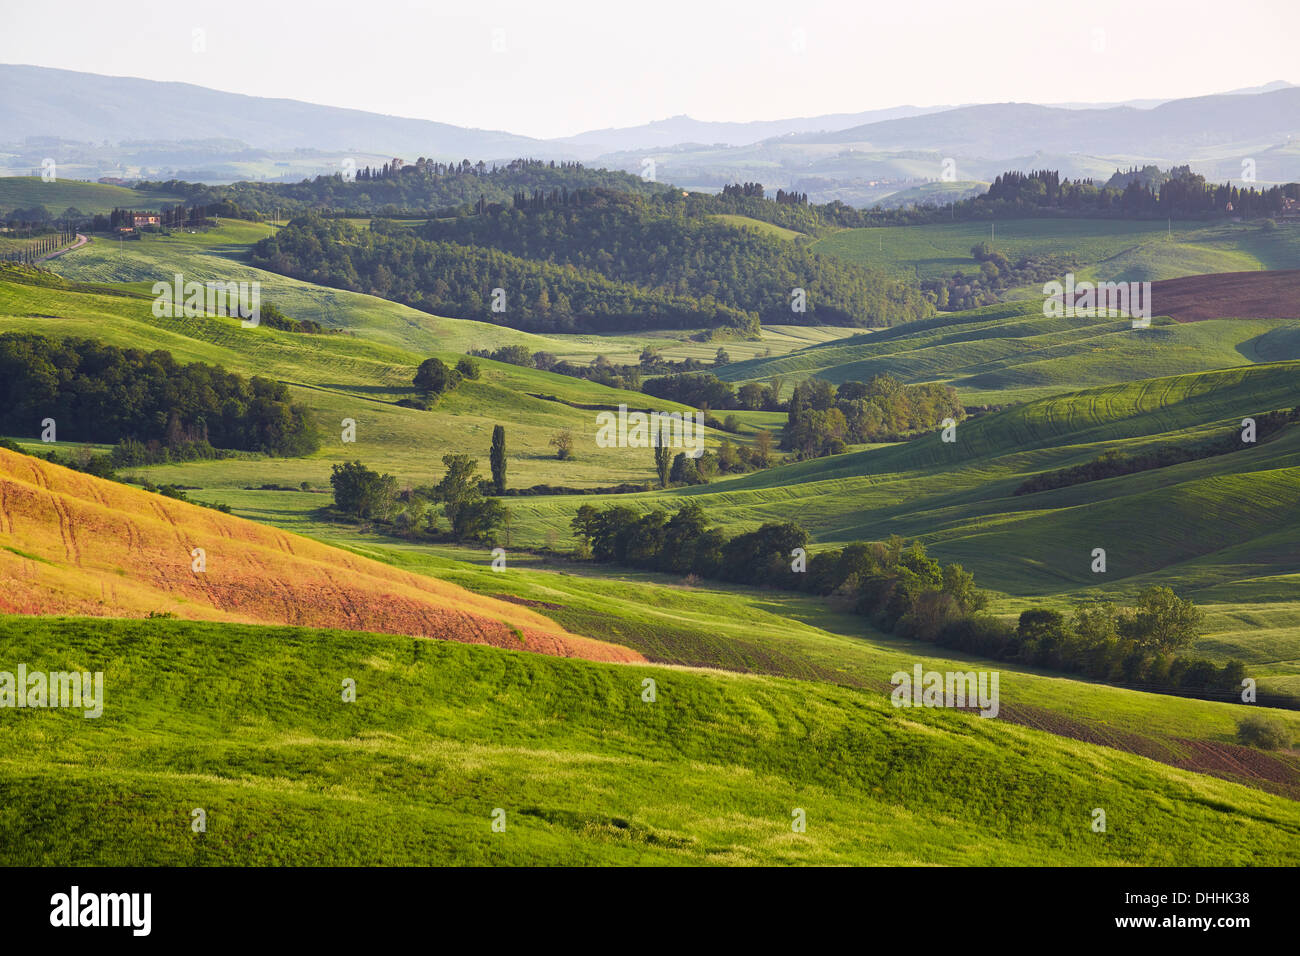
(1276, 773)
(1257, 295)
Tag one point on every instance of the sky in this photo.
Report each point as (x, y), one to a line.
(551, 68)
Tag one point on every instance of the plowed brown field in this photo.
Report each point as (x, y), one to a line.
(74, 544)
(1230, 295)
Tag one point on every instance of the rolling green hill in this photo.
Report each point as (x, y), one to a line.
(24, 192)
(1101, 249)
(1012, 352)
(222, 254)
(247, 724)
(956, 498)
(351, 376)
(960, 503)
(1218, 529)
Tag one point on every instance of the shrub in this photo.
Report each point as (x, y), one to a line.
(434, 377)
(1264, 732)
(562, 442)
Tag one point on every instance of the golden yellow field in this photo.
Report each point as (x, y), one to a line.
(74, 544)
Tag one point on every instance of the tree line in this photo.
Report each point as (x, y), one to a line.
(900, 589)
(1179, 193)
(1113, 463)
(1146, 194)
(100, 393)
(398, 188)
(624, 375)
(38, 247)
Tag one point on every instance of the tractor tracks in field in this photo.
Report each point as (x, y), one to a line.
(1228, 761)
(66, 530)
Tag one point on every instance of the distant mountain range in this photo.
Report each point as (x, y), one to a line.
(1150, 103)
(1178, 127)
(41, 102)
(679, 130)
(232, 136)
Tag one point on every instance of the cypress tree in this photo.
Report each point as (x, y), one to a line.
(663, 463)
(498, 459)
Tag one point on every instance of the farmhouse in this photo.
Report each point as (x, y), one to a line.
(145, 219)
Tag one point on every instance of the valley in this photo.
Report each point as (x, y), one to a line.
(367, 584)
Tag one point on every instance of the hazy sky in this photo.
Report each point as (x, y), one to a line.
(554, 68)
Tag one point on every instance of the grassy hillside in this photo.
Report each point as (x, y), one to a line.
(24, 192)
(222, 253)
(1218, 529)
(787, 634)
(767, 228)
(1110, 250)
(1012, 352)
(246, 721)
(248, 724)
(960, 504)
(359, 376)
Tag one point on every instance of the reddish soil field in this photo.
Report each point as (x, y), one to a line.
(74, 544)
(1230, 295)
(1275, 772)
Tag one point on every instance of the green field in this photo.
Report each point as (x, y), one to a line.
(768, 701)
(24, 192)
(248, 725)
(1012, 352)
(767, 228)
(1220, 530)
(222, 253)
(1110, 250)
(359, 376)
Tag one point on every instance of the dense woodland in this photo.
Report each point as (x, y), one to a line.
(591, 260)
(459, 281)
(673, 245)
(100, 393)
(1137, 194)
